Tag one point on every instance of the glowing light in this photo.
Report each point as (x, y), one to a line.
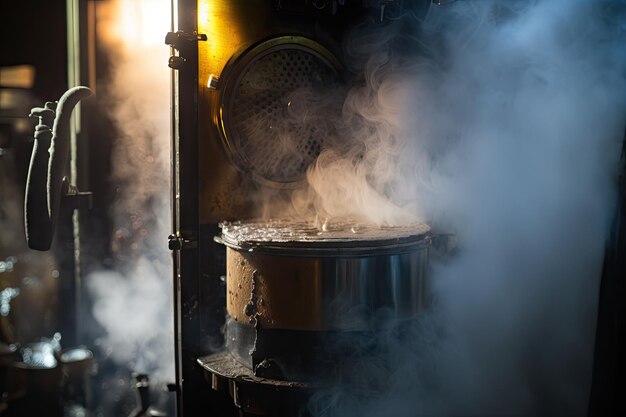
(140, 22)
(204, 12)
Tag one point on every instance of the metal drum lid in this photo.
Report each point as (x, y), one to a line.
(341, 238)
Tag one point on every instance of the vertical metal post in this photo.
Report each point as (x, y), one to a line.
(186, 216)
(175, 220)
(76, 12)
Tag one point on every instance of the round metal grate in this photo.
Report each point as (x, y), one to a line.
(277, 107)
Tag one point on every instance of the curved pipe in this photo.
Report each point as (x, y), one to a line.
(47, 167)
(38, 234)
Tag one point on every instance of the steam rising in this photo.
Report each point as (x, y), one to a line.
(504, 128)
(356, 173)
(501, 125)
(132, 301)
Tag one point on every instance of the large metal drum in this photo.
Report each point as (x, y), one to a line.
(292, 284)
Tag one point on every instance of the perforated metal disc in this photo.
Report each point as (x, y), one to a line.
(277, 105)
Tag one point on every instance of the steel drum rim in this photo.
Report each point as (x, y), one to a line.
(251, 236)
(331, 248)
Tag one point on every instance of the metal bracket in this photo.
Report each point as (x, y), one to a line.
(176, 62)
(74, 198)
(178, 40)
(181, 41)
(177, 242)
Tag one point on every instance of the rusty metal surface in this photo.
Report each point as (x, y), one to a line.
(324, 293)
